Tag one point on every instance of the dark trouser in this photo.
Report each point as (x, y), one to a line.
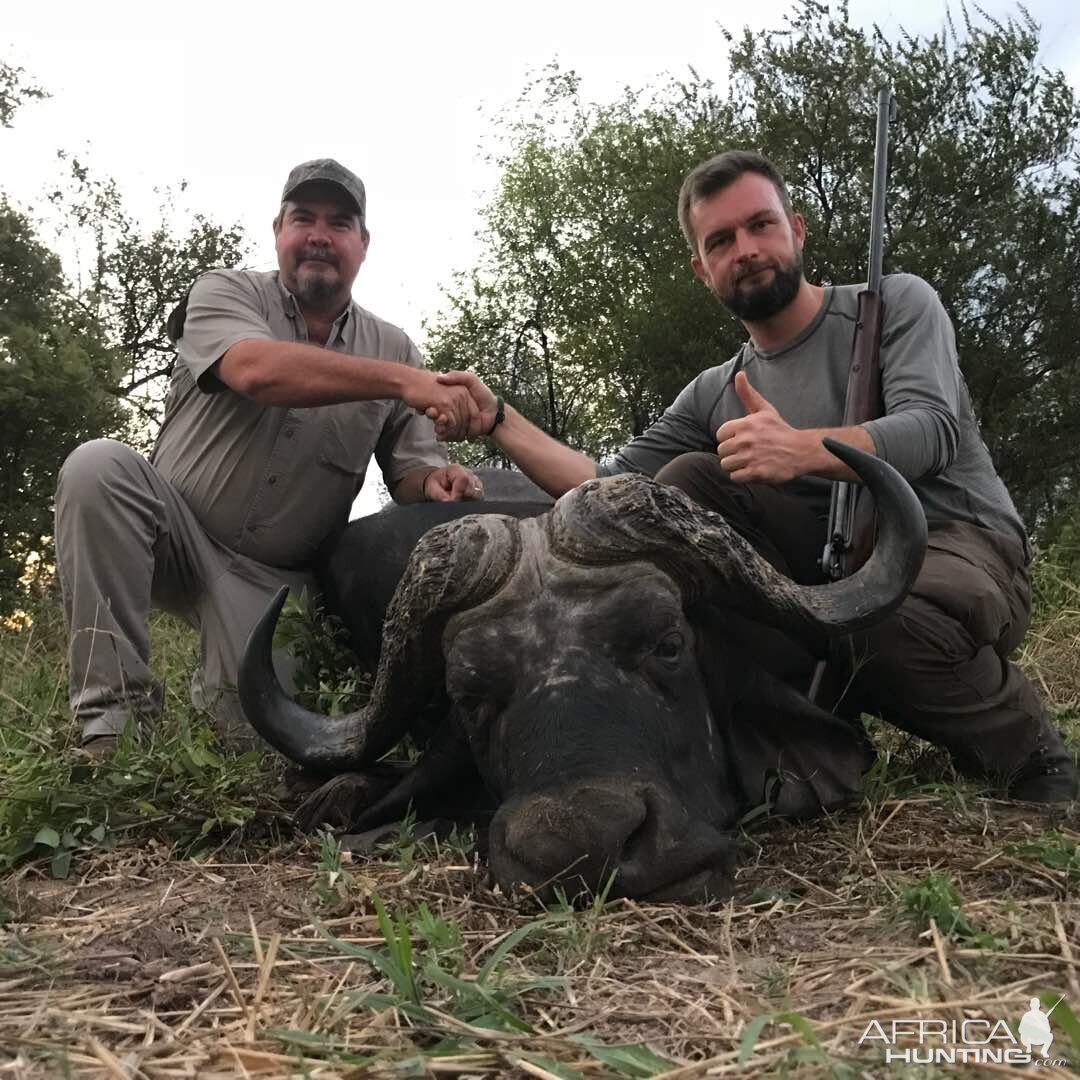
(938, 666)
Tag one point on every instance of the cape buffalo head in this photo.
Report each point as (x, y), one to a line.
(584, 664)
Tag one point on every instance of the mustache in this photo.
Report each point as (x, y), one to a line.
(752, 269)
(317, 255)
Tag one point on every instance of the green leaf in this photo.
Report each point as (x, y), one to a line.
(500, 952)
(750, 1036)
(1063, 1016)
(629, 1059)
(61, 863)
(47, 837)
(795, 1020)
(506, 1018)
(801, 1025)
(21, 849)
(385, 926)
(403, 981)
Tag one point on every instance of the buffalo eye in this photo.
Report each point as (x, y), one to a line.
(468, 687)
(669, 648)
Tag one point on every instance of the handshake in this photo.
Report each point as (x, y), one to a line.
(458, 403)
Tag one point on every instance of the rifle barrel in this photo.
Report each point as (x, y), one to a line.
(886, 113)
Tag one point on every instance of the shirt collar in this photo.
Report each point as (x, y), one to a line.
(337, 332)
(288, 301)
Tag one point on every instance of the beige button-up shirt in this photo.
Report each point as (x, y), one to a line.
(270, 482)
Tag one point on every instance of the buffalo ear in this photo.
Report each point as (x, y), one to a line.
(784, 751)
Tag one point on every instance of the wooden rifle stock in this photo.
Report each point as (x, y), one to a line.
(851, 529)
(850, 535)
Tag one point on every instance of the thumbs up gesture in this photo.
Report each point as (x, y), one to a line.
(761, 447)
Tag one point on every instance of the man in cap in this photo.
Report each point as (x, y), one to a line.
(284, 389)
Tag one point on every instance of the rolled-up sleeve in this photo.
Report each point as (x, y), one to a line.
(920, 381)
(407, 441)
(222, 309)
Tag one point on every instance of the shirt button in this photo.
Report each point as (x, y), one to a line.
(271, 480)
(288, 433)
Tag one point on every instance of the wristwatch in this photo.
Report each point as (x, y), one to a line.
(500, 416)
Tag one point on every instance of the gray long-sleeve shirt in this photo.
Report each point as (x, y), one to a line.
(928, 433)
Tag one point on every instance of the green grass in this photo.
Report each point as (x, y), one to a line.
(328, 680)
(175, 783)
(422, 965)
(1052, 850)
(936, 899)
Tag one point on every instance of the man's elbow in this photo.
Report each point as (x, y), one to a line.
(244, 368)
(948, 443)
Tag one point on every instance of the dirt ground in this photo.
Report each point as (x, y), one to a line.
(146, 965)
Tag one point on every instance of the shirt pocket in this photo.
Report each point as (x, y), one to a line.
(348, 438)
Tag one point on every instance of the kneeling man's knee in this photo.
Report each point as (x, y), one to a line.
(90, 465)
(688, 471)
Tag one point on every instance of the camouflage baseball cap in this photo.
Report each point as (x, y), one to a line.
(328, 171)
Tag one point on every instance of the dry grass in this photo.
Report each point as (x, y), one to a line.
(1051, 652)
(149, 966)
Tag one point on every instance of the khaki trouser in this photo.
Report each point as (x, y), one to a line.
(937, 666)
(126, 542)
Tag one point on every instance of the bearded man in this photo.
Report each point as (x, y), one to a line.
(283, 391)
(745, 440)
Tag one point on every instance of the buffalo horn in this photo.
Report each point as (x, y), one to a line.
(454, 566)
(630, 517)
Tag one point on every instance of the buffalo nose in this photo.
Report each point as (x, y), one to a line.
(583, 834)
(608, 838)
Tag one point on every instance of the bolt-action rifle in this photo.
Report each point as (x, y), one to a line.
(850, 535)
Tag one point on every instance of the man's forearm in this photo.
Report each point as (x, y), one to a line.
(297, 375)
(410, 488)
(821, 463)
(546, 461)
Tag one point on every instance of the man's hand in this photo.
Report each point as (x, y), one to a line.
(451, 484)
(761, 447)
(481, 397)
(451, 407)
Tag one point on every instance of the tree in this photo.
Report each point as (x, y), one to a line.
(984, 202)
(54, 369)
(14, 92)
(584, 288)
(136, 278)
(583, 277)
(77, 363)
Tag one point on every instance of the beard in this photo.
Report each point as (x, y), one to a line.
(758, 303)
(316, 288)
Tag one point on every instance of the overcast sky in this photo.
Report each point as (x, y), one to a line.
(229, 96)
